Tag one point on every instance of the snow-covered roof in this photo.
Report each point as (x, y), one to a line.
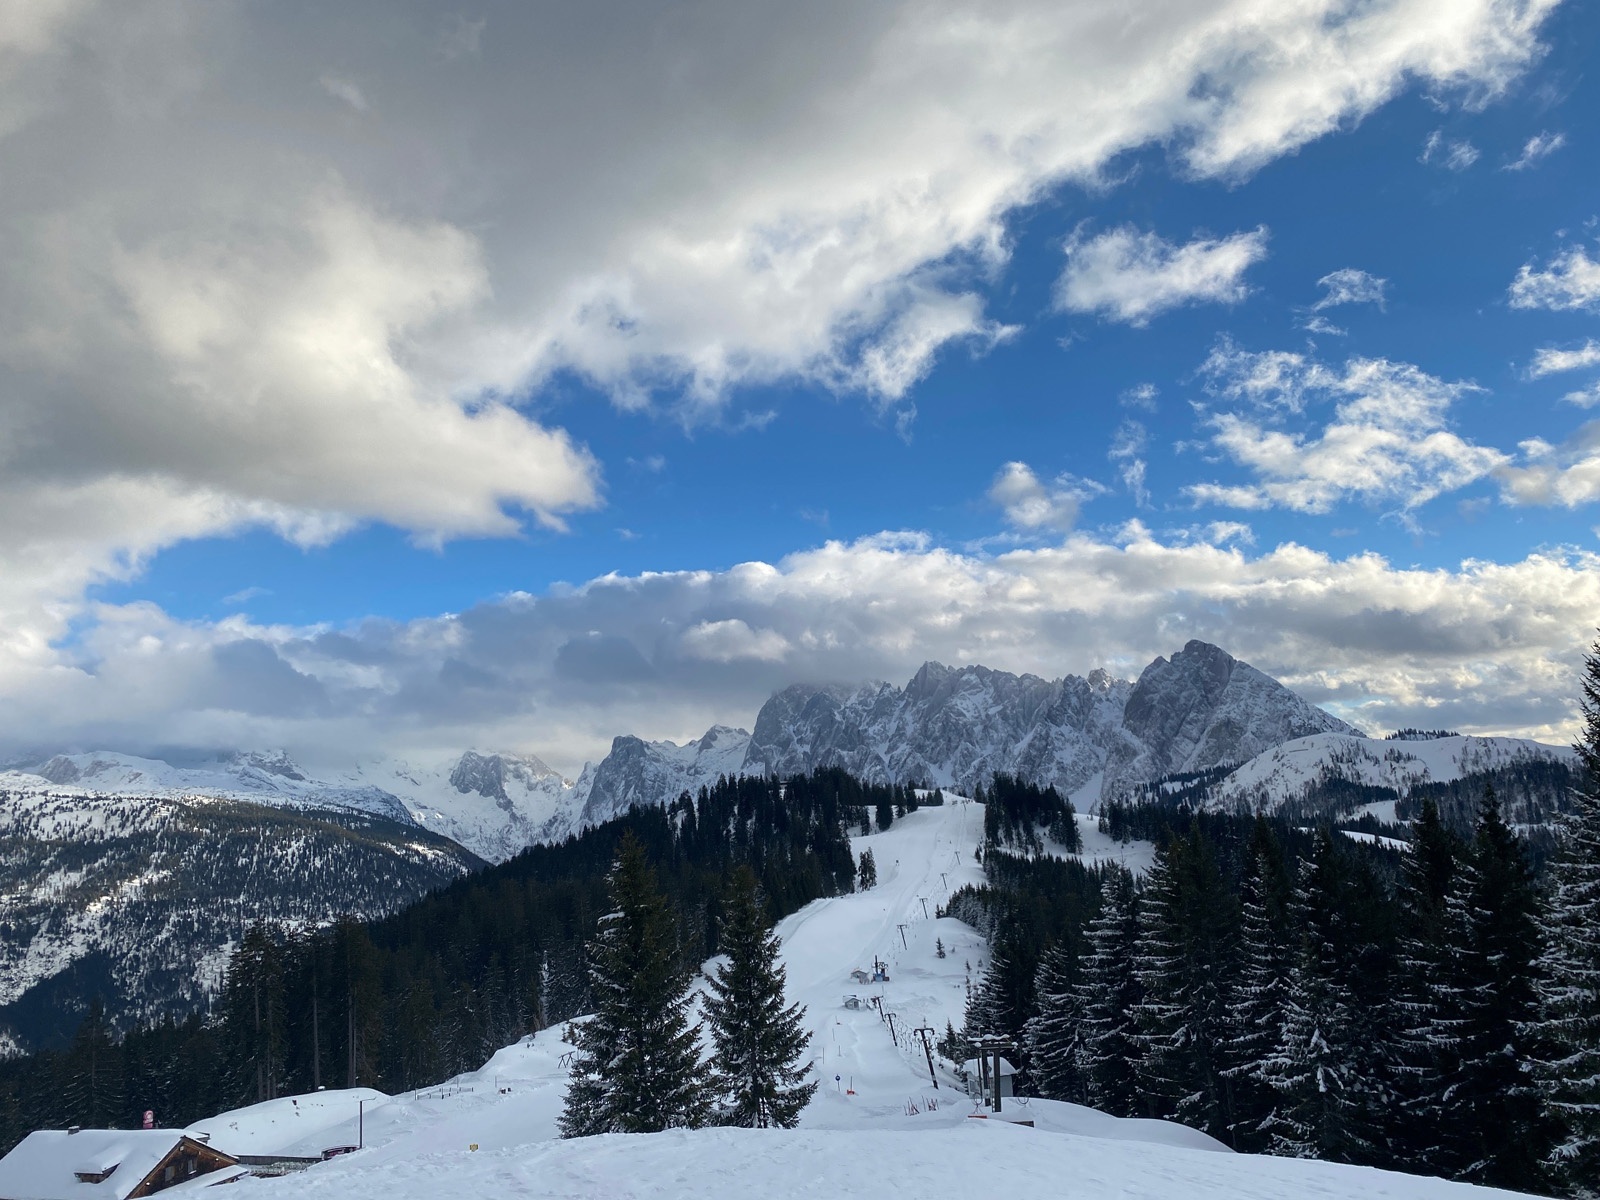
(47, 1163)
(296, 1126)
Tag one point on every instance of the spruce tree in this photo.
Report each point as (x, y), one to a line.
(1325, 1087)
(1567, 1059)
(867, 878)
(758, 1042)
(1490, 1114)
(1188, 930)
(637, 1068)
(1256, 1010)
(1427, 999)
(1054, 1032)
(1108, 994)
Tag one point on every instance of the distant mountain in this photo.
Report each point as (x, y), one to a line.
(1091, 737)
(1301, 770)
(141, 897)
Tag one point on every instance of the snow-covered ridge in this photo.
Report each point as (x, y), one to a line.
(493, 804)
(1289, 772)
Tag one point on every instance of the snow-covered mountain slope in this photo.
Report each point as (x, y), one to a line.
(878, 1127)
(493, 804)
(262, 777)
(1293, 771)
(141, 897)
(1094, 736)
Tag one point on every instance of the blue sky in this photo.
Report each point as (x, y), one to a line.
(1029, 338)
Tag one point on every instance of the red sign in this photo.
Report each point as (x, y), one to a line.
(149, 1119)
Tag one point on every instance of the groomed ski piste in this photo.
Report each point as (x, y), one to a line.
(878, 1127)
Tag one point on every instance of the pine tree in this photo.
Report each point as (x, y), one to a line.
(637, 1069)
(1256, 1017)
(1491, 1119)
(1567, 1060)
(1324, 1088)
(758, 1042)
(867, 879)
(1108, 994)
(1185, 965)
(1054, 1031)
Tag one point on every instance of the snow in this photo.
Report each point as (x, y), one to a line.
(958, 1162)
(1288, 771)
(882, 1130)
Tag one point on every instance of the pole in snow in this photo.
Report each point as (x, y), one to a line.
(361, 1124)
(924, 901)
(892, 1036)
(924, 1031)
(902, 930)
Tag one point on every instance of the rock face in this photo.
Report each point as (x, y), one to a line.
(641, 772)
(1204, 708)
(1094, 736)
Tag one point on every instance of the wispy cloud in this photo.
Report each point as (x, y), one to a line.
(344, 89)
(1566, 475)
(1349, 285)
(1452, 155)
(1538, 148)
(1128, 276)
(1127, 452)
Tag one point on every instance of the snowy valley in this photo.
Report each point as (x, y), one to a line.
(877, 1127)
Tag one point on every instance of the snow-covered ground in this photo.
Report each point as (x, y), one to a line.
(882, 1129)
(1285, 773)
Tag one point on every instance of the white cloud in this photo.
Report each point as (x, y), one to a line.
(1128, 276)
(1349, 285)
(1571, 281)
(324, 323)
(1034, 506)
(733, 640)
(1548, 360)
(1567, 475)
(1321, 324)
(1538, 148)
(1447, 153)
(1387, 441)
(1584, 398)
(1489, 647)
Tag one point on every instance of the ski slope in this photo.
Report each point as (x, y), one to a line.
(882, 1129)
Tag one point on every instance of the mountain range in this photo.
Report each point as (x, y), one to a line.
(141, 871)
(953, 727)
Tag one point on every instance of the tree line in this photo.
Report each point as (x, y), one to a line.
(1323, 995)
(435, 989)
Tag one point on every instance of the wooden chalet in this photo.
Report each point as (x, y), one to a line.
(112, 1164)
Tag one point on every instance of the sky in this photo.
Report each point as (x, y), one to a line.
(394, 378)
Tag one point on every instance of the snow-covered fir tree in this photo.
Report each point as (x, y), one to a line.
(1185, 966)
(1321, 1070)
(999, 1004)
(1490, 1113)
(1427, 999)
(1054, 1033)
(1566, 1060)
(759, 1043)
(1108, 993)
(867, 873)
(1256, 1006)
(638, 1068)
